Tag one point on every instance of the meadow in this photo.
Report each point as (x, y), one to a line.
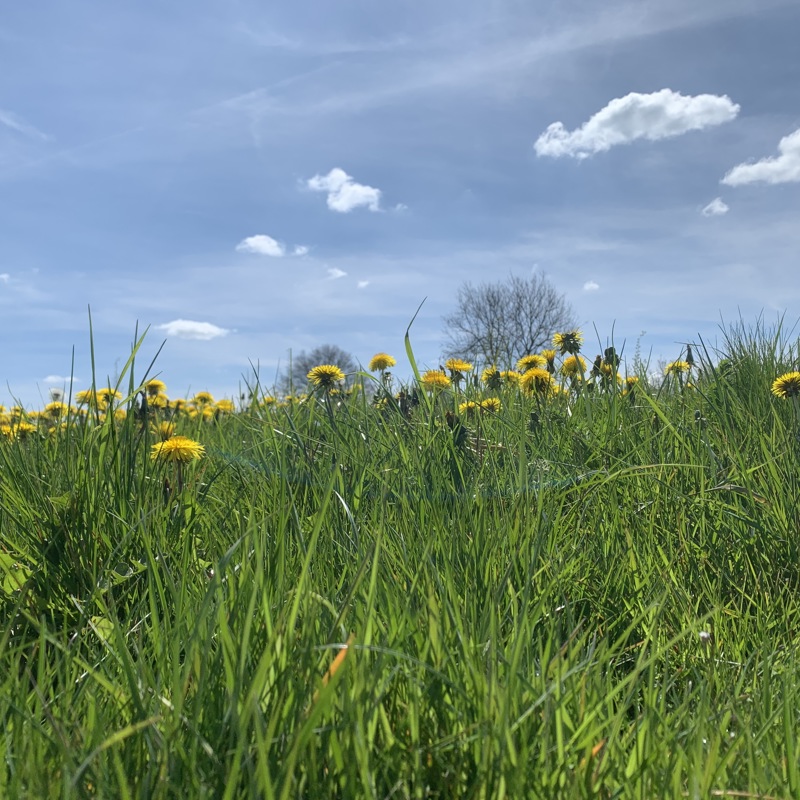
(550, 582)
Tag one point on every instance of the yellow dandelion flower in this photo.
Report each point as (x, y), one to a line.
(510, 377)
(550, 357)
(56, 409)
(159, 401)
(108, 395)
(568, 342)
(677, 367)
(164, 430)
(325, 376)
(203, 399)
(573, 366)
(491, 404)
(155, 387)
(435, 379)
(225, 406)
(530, 361)
(492, 377)
(457, 365)
(468, 407)
(631, 381)
(787, 385)
(380, 362)
(536, 379)
(177, 448)
(85, 397)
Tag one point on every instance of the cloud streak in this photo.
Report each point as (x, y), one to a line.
(659, 115)
(784, 168)
(716, 208)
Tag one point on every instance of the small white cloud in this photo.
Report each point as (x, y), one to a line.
(716, 208)
(784, 168)
(658, 115)
(261, 245)
(334, 273)
(363, 284)
(4, 277)
(344, 194)
(189, 329)
(300, 250)
(591, 286)
(60, 379)
(400, 208)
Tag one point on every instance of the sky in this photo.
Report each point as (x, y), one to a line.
(236, 181)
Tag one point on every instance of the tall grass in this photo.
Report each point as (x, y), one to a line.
(593, 596)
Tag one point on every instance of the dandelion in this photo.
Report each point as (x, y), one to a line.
(179, 449)
(531, 361)
(787, 385)
(492, 377)
(164, 430)
(492, 404)
(573, 366)
(435, 379)
(380, 362)
(203, 399)
(458, 365)
(56, 409)
(325, 376)
(468, 407)
(568, 342)
(108, 395)
(510, 377)
(631, 381)
(536, 380)
(155, 387)
(225, 406)
(550, 357)
(677, 367)
(160, 401)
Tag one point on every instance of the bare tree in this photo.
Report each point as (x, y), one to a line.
(295, 376)
(498, 323)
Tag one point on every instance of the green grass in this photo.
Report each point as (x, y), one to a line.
(523, 594)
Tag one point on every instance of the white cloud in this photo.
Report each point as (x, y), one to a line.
(400, 208)
(334, 273)
(300, 250)
(60, 379)
(261, 245)
(591, 286)
(363, 284)
(716, 208)
(658, 115)
(784, 168)
(189, 329)
(4, 277)
(344, 194)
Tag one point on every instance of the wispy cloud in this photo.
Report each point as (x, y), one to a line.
(591, 286)
(60, 379)
(334, 273)
(654, 116)
(344, 194)
(362, 284)
(716, 208)
(784, 168)
(261, 245)
(300, 250)
(16, 123)
(190, 329)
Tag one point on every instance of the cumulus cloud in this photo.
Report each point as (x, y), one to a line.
(658, 115)
(334, 273)
(716, 208)
(261, 245)
(784, 168)
(344, 194)
(300, 250)
(189, 329)
(363, 284)
(591, 286)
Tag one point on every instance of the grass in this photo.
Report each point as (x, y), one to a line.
(592, 595)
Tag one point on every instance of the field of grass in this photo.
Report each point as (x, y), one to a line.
(592, 592)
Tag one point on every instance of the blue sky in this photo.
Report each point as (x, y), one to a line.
(245, 179)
